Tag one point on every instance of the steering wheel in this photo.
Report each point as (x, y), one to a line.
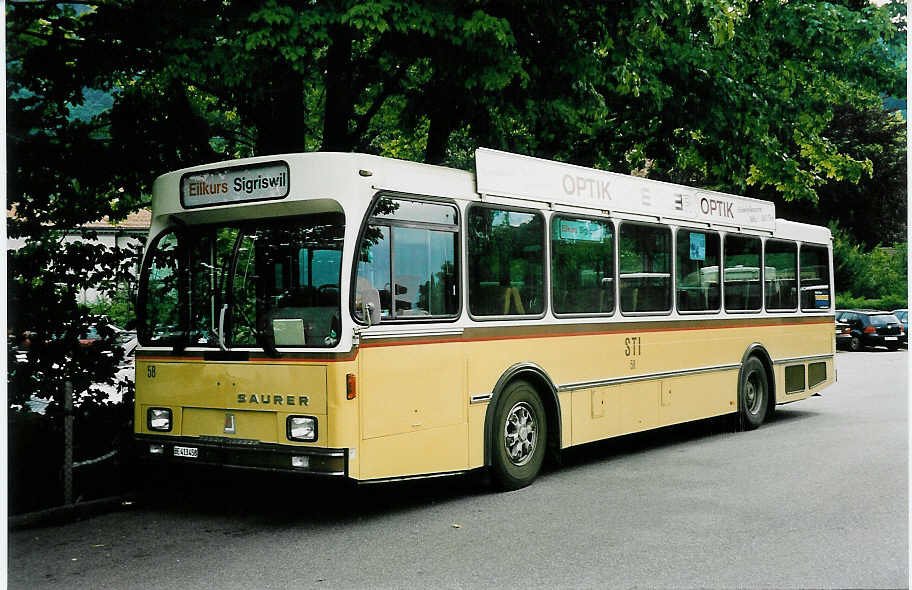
(328, 290)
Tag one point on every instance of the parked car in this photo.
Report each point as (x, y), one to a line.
(872, 328)
(843, 330)
(92, 336)
(903, 315)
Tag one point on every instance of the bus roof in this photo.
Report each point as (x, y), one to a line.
(512, 175)
(322, 181)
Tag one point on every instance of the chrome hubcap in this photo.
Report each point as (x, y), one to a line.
(753, 393)
(520, 434)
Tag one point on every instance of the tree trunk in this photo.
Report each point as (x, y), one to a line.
(282, 126)
(340, 102)
(442, 120)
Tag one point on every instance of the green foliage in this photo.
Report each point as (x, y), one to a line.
(770, 98)
(886, 303)
(754, 97)
(873, 209)
(117, 307)
(722, 93)
(873, 279)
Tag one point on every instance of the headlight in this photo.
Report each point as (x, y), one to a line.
(159, 419)
(301, 428)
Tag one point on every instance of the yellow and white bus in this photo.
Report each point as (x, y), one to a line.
(376, 319)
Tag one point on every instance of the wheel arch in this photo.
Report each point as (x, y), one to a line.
(758, 350)
(547, 392)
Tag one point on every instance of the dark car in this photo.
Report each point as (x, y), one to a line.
(843, 330)
(89, 337)
(96, 332)
(903, 315)
(872, 328)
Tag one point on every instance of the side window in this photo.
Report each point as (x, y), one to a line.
(698, 271)
(741, 273)
(582, 265)
(781, 275)
(408, 254)
(506, 262)
(815, 278)
(644, 253)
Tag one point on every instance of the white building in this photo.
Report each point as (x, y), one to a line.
(132, 230)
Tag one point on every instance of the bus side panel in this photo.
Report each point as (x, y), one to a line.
(817, 375)
(795, 341)
(343, 414)
(436, 450)
(413, 409)
(477, 413)
(694, 397)
(603, 411)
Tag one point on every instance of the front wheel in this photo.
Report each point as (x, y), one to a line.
(753, 394)
(520, 436)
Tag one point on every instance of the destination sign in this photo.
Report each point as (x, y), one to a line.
(238, 184)
(510, 175)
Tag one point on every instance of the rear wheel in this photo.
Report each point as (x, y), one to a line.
(520, 436)
(855, 344)
(753, 394)
(893, 346)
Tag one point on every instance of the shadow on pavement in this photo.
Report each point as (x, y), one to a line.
(283, 500)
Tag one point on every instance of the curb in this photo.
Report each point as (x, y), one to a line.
(65, 514)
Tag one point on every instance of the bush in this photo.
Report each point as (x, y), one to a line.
(869, 279)
(36, 449)
(887, 303)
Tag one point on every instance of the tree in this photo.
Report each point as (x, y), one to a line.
(871, 211)
(876, 278)
(747, 96)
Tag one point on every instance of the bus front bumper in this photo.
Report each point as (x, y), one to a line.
(242, 454)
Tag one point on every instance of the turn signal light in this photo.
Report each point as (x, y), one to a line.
(351, 386)
(870, 330)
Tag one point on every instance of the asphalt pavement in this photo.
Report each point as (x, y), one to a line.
(815, 498)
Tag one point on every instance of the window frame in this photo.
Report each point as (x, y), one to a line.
(797, 277)
(545, 260)
(614, 267)
(177, 345)
(719, 236)
(830, 287)
(456, 228)
(671, 268)
(247, 228)
(759, 309)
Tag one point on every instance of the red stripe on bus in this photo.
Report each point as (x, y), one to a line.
(568, 334)
(409, 342)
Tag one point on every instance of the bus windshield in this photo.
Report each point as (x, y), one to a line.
(267, 284)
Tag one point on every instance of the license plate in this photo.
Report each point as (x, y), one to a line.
(186, 452)
(889, 337)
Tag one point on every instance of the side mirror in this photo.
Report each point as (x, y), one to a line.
(370, 306)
